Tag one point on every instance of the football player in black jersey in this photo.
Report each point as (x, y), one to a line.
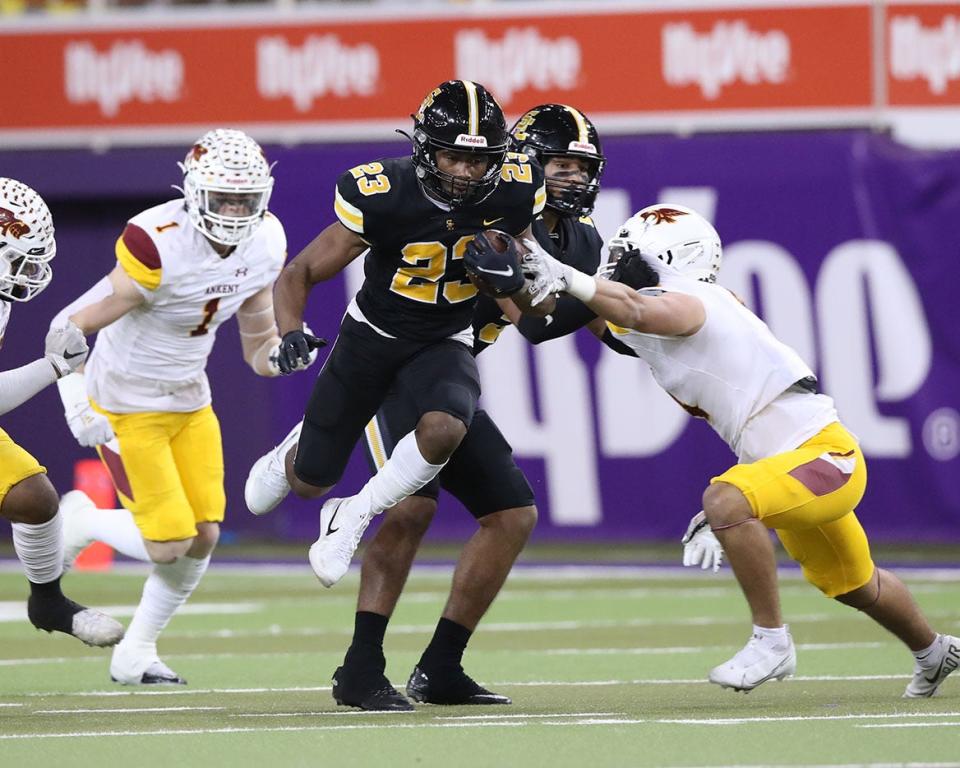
(481, 473)
(409, 327)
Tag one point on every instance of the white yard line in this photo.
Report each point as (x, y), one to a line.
(111, 710)
(798, 718)
(910, 725)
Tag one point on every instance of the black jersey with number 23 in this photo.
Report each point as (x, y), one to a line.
(415, 285)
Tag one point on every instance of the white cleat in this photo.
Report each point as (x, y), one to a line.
(96, 628)
(761, 659)
(342, 523)
(141, 666)
(73, 507)
(267, 484)
(940, 662)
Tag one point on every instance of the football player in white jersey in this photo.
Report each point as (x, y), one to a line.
(27, 499)
(800, 472)
(183, 268)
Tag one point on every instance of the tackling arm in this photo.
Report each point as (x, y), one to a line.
(109, 300)
(671, 314)
(325, 256)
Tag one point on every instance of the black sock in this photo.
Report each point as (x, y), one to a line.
(446, 647)
(48, 590)
(367, 646)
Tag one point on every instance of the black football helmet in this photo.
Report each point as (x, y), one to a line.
(556, 130)
(461, 116)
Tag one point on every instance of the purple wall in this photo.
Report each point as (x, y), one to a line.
(844, 242)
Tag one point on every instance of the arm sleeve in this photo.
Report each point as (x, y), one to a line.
(569, 316)
(20, 384)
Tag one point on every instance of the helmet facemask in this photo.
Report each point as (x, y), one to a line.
(455, 191)
(571, 197)
(226, 185)
(27, 244)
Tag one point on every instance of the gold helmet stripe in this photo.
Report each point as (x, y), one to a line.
(584, 137)
(473, 109)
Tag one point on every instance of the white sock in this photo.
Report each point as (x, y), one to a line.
(167, 588)
(775, 635)
(928, 655)
(116, 528)
(40, 549)
(403, 474)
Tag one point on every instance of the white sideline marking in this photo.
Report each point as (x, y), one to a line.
(908, 725)
(17, 610)
(162, 710)
(9, 704)
(795, 718)
(687, 649)
(531, 717)
(502, 683)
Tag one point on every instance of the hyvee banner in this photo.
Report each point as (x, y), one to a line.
(323, 78)
(923, 51)
(844, 242)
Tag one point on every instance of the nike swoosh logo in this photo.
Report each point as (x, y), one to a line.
(330, 528)
(487, 222)
(71, 355)
(950, 660)
(508, 272)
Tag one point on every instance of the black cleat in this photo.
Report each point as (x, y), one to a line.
(455, 687)
(371, 691)
(53, 612)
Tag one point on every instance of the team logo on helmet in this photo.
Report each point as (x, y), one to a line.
(661, 215)
(11, 225)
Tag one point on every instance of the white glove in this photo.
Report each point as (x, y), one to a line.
(66, 349)
(547, 274)
(87, 426)
(700, 545)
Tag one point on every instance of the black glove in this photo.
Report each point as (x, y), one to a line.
(497, 271)
(634, 271)
(295, 349)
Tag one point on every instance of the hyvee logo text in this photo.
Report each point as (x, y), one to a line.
(321, 66)
(931, 53)
(731, 51)
(521, 59)
(127, 71)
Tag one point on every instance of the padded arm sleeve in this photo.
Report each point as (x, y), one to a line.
(259, 338)
(20, 384)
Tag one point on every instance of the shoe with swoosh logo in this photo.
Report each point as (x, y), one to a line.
(342, 523)
(930, 672)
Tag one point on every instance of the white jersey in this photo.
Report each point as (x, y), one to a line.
(154, 357)
(735, 373)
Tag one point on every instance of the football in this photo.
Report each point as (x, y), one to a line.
(500, 242)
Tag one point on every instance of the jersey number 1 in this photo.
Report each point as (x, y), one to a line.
(209, 310)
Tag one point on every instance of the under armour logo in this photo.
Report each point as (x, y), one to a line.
(242, 272)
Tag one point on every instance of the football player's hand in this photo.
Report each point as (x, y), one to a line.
(89, 427)
(700, 545)
(297, 350)
(498, 270)
(547, 274)
(66, 349)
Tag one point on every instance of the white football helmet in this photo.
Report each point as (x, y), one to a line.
(678, 238)
(26, 242)
(227, 185)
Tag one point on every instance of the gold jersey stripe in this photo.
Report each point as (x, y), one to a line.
(138, 272)
(617, 330)
(375, 442)
(581, 125)
(540, 200)
(350, 216)
(473, 110)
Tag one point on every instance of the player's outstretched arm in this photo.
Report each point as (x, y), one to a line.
(258, 333)
(325, 256)
(66, 349)
(670, 314)
(106, 302)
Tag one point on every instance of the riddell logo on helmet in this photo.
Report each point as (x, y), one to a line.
(127, 71)
(11, 226)
(465, 139)
(582, 146)
(521, 60)
(322, 66)
(931, 53)
(729, 52)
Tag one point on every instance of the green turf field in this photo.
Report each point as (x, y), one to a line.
(606, 668)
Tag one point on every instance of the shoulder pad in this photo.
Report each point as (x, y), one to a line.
(139, 256)
(366, 189)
